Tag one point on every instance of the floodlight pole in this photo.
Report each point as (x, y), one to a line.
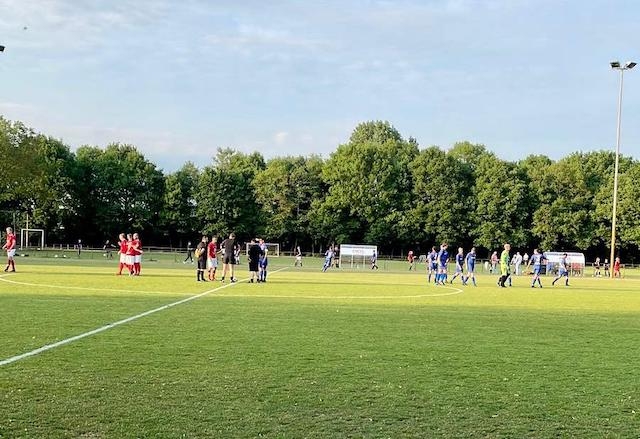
(616, 66)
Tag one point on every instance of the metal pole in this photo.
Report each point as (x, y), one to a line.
(615, 180)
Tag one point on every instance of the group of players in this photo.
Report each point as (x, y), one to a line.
(130, 251)
(207, 256)
(437, 262)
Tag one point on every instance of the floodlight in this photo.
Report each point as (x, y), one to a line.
(629, 65)
(615, 64)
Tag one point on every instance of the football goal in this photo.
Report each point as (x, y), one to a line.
(357, 256)
(273, 249)
(29, 236)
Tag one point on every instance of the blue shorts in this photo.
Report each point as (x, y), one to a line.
(563, 272)
(458, 269)
(536, 269)
(471, 268)
(433, 266)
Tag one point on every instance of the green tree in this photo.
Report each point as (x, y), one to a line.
(119, 190)
(628, 223)
(444, 204)
(566, 215)
(179, 219)
(225, 196)
(285, 189)
(370, 184)
(504, 204)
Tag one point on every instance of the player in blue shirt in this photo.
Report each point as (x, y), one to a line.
(328, 257)
(443, 260)
(459, 265)
(263, 262)
(536, 261)
(374, 259)
(432, 264)
(470, 261)
(562, 271)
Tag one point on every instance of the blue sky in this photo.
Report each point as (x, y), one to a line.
(180, 79)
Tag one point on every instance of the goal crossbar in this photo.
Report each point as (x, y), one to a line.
(24, 237)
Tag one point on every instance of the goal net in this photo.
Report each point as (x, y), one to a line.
(29, 237)
(357, 256)
(273, 249)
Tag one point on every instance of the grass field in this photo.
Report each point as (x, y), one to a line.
(318, 355)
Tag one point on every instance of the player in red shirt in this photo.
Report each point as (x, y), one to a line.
(212, 260)
(130, 253)
(616, 268)
(411, 260)
(10, 247)
(122, 251)
(136, 245)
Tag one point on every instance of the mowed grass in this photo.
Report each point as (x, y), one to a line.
(310, 354)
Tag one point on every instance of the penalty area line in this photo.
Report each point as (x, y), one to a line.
(114, 324)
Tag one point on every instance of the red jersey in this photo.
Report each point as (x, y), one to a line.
(11, 241)
(212, 248)
(124, 246)
(410, 256)
(136, 246)
(616, 266)
(130, 248)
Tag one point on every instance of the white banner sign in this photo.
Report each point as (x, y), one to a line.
(358, 250)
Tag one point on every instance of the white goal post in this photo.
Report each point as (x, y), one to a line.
(273, 249)
(24, 237)
(357, 255)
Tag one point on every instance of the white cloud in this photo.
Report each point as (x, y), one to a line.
(281, 137)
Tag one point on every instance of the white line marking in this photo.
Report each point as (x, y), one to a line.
(417, 296)
(113, 325)
(112, 290)
(274, 296)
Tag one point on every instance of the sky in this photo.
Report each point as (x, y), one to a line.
(179, 79)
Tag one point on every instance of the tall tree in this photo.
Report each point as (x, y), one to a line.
(285, 189)
(504, 204)
(178, 217)
(225, 197)
(370, 182)
(444, 205)
(120, 191)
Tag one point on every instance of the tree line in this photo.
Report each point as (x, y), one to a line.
(378, 188)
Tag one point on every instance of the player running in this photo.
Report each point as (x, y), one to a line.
(10, 247)
(374, 259)
(536, 260)
(328, 256)
(470, 261)
(562, 271)
(459, 265)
